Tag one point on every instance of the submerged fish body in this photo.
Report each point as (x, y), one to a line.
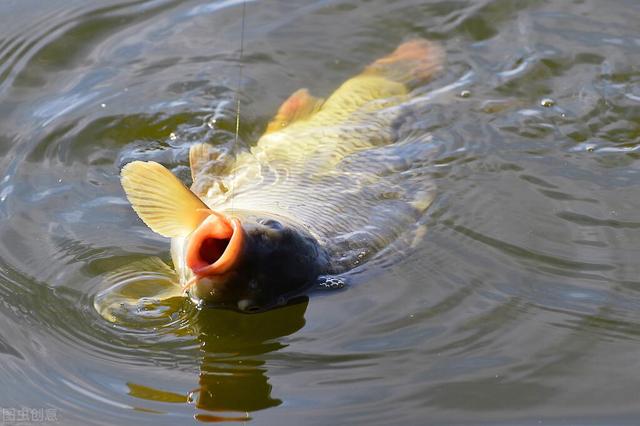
(327, 186)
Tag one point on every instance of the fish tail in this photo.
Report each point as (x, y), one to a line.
(412, 63)
(299, 106)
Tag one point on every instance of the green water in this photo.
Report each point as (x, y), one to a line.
(520, 305)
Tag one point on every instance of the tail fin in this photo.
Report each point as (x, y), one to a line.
(412, 63)
(299, 106)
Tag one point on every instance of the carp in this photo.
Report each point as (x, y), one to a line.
(325, 188)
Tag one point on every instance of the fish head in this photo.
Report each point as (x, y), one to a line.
(251, 262)
(239, 259)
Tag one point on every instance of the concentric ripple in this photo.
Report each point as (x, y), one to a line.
(514, 301)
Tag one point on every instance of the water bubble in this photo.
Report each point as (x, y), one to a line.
(547, 102)
(212, 123)
(332, 283)
(465, 94)
(172, 136)
(103, 105)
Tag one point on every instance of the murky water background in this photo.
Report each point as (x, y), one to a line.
(521, 306)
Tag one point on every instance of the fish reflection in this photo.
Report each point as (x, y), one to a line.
(233, 379)
(233, 374)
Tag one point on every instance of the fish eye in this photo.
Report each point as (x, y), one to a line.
(273, 224)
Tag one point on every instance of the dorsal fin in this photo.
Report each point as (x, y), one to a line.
(299, 106)
(161, 199)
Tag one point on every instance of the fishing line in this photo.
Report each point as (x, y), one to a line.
(239, 87)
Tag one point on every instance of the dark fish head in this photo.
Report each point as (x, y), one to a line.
(251, 263)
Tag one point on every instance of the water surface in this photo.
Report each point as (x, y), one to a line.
(520, 305)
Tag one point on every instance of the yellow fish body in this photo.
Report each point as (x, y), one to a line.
(321, 191)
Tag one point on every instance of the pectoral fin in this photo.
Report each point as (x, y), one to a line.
(299, 106)
(161, 200)
(145, 289)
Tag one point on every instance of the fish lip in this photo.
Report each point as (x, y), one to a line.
(216, 226)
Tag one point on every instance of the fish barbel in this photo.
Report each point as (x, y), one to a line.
(325, 188)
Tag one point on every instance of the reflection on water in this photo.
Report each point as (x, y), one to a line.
(233, 379)
(519, 305)
(229, 382)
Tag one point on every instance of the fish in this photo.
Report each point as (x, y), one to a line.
(326, 188)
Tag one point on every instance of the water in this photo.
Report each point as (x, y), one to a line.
(520, 305)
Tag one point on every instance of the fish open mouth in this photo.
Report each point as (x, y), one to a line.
(212, 249)
(215, 245)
